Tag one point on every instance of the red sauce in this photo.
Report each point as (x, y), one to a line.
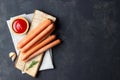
(19, 26)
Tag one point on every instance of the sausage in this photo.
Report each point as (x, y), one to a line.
(39, 37)
(33, 33)
(39, 41)
(43, 49)
(42, 39)
(38, 46)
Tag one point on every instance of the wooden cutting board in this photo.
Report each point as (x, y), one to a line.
(38, 17)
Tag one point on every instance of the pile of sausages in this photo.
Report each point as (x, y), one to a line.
(38, 40)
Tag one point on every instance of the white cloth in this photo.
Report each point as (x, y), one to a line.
(47, 60)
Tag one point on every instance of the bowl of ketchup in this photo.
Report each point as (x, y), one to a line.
(20, 25)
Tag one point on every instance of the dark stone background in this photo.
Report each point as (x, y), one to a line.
(90, 30)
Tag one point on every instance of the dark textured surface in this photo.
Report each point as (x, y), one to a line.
(90, 30)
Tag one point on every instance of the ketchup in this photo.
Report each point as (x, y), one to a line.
(19, 26)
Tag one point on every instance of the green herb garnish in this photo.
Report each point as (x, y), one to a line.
(32, 64)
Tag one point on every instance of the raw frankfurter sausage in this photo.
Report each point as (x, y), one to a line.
(39, 46)
(42, 39)
(39, 37)
(50, 45)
